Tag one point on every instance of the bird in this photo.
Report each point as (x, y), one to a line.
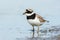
(34, 19)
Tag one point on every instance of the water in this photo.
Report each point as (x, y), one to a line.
(13, 28)
(48, 33)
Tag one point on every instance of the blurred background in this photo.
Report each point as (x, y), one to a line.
(14, 25)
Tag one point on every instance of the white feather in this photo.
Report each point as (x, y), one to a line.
(34, 22)
(29, 14)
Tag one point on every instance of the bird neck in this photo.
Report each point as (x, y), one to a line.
(31, 16)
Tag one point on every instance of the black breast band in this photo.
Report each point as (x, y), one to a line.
(32, 16)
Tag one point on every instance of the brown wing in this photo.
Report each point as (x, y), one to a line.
(40, 18)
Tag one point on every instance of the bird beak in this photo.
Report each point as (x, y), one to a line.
(24, 13)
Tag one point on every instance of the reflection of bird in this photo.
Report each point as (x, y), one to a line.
(34, 19)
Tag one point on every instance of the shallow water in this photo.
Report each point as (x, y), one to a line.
(47, 34)
(13, 28)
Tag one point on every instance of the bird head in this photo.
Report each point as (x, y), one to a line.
(28, 12)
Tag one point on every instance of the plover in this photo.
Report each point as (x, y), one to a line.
(34, 19)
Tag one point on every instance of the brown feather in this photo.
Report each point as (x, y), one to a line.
(40, 18)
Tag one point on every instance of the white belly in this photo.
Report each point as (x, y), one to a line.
(34, 22)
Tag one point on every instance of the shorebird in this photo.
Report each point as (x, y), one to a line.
(34, 19)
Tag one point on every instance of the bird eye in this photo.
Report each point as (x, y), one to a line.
(26, 9)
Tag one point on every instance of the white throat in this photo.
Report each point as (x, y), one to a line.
(29, 14)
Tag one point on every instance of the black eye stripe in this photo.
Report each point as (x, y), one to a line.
(28, 12)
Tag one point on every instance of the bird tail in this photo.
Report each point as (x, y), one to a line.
(47, 21)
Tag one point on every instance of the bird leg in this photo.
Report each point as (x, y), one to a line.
(38, 31)
(33, 32)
